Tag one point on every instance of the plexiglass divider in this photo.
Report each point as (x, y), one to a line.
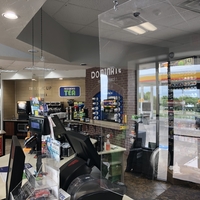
(43, 181)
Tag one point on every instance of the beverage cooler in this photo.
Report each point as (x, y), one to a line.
(76, 111)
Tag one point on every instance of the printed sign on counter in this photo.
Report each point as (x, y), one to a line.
(73, 91)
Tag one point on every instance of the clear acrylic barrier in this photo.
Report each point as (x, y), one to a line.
(44, 183)
(121, 53)
(41, 175)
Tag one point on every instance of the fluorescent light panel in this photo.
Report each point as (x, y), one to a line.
(136, 30)
(148, 26)
(39, 68)
(7, 70)
(142, 28)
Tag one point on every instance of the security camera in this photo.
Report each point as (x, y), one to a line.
(136, 14)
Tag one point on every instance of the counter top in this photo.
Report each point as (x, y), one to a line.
(101, 123)
(113, 149)
(15, 120)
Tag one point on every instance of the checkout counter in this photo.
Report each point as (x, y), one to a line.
(29, 158)
(82, 162)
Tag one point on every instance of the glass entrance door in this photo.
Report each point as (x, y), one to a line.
(152, 102)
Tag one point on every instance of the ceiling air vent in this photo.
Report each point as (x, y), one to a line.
(124, 21)
(192, 5)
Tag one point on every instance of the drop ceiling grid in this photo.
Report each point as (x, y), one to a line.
(169, 21)
(72, 27)
(157, 12)
(165, 34)
(188, 15)
(122, 35)
(87, 30)
(52, 7)
(168, 44)
(100, 5)
(183, 39)
(176, 2)
(149, 41)
(77, 15)
(192, 25)
(21, 64)
(5, 63)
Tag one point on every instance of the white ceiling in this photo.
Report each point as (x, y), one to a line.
(176, 26)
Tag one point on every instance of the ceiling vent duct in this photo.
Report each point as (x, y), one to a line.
(191, 5)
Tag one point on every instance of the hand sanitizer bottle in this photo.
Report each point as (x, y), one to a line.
(108, 142)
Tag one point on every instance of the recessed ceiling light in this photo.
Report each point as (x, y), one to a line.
(60, 78)
(10, 15)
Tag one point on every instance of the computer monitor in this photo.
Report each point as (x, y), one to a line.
(59, 130)
(39, 125)
(82, 163)
(15, 167)
(84, 149)
(80, 143)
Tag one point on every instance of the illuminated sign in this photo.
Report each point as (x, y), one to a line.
(70, 91)
(107, 71)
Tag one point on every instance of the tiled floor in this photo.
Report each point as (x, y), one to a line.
(140, 188)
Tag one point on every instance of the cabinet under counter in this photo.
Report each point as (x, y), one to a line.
(15, 127)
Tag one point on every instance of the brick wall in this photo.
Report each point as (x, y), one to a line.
(125, 84)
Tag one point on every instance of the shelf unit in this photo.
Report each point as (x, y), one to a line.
(115, 159)
(55, 107)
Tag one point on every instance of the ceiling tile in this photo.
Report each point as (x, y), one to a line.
(149, 41)
(100, 5)
(190, 39)
(123, 35)
(169, 21)
(52, 6)
(158, 11)
(65, 67)
(5, 63)
(72, 27)
(89, 31)
(94, 24)
(166, 33)
(189, 26)
(76, 14)
(21, 64)
(188, 15)
(167, 44)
